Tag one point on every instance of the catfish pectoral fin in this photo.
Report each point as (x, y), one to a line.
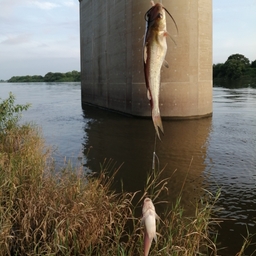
(145, 56)
(148, 94)
(166, 64)
(155, 238)
(172, 39)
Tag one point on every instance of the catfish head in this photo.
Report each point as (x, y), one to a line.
(155, 17)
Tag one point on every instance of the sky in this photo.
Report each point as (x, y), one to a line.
(41, 36)
(234, 29)
(38, 36)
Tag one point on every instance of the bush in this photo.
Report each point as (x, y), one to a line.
(10, 113)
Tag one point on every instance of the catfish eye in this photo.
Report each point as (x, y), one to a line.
(160, 15)
(146, 16)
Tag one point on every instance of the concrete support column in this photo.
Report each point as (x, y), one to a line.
(111, 57)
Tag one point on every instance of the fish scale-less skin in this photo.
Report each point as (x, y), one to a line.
(155, 48)
(147, 244)
(150, 224)
(149, 220)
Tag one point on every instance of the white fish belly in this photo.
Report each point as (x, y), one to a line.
(150, 224)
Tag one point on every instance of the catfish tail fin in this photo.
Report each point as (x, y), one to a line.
(157, 123)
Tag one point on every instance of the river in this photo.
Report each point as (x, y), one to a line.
(211, 153)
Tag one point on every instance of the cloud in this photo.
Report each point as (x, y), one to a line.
(38, 36)
(8, 7)
(44, 5)
(16, 39)
(69, 3)
(233, 26)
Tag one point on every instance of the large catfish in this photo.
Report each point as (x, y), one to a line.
(155, 48)
(149, 221)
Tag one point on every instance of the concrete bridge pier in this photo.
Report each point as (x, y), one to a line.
(112, 77)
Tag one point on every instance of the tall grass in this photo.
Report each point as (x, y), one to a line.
(44, 212)
(71, 213)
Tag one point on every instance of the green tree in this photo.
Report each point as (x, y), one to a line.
(218, 70)
(253, 64)
(20, 79)
(240, 58)
(233, 69)
(73, 76)
(36, 78)
(58, 77)
(48, 77)
(236, 65)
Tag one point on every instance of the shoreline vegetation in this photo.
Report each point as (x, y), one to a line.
(72, 76)
(69, 212)
(236, 72)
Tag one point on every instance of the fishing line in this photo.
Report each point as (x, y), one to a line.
(155, 155)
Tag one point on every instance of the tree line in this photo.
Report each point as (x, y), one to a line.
(236, 72)
(72, 76)
(236, 66)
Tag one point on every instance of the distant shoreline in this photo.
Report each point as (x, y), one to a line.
(72, 76)
(220, 78)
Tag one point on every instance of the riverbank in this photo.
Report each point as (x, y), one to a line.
(72, 213)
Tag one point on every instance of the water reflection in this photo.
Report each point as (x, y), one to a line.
(235, 83)
(131, 141)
